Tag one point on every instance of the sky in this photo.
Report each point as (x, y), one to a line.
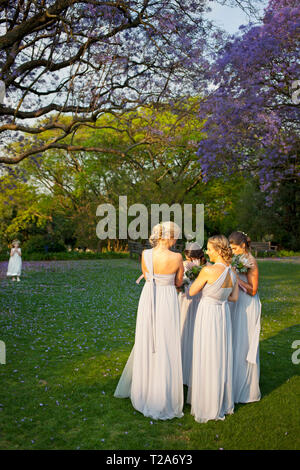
(230, 18)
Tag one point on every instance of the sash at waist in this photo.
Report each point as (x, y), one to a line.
(213, 301)
(158, 281)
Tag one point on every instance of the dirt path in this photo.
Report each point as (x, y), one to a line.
(286, 259)
(59, 265)
(71, 264)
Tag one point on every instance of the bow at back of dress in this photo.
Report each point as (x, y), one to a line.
(216, 289)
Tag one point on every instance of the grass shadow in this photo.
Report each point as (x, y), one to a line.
(276, 359)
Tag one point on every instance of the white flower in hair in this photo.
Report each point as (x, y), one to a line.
(192, 246)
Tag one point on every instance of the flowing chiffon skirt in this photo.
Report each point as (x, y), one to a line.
(152, 377)
(210, 391)
(245, 317)
(188, 310)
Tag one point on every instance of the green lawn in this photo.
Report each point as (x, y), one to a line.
(68, 329)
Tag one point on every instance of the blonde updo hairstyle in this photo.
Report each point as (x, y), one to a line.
(14, 242)
(221, 246)
(164, 231)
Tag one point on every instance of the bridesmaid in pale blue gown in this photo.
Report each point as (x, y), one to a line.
(210, 390)
(245, 317)
(152, 377)
(188, 309)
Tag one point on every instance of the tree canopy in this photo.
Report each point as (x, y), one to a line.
(252, 117)
(88, 57)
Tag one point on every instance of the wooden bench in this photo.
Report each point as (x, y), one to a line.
(263, 246)
(138, 247)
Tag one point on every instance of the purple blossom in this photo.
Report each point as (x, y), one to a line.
(250, 115)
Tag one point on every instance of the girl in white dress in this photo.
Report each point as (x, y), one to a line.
(188, 308)
(210, 390)
(245, 317)
(152, 377)
(15, 261)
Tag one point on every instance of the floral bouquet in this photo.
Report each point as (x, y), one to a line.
(241, 263)
(190, 275)
(193, 272)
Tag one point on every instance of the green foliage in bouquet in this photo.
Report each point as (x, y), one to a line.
(189, 276)
(192, 273)
(240, 263)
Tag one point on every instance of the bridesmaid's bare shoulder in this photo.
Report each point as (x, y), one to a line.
(207, 270)
(177, 257)
(252, 260)
(212, 271)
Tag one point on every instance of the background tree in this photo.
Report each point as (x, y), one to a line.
(161, 165)
(278, 222)
(21, 213)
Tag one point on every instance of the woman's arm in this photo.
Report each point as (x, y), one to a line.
(233, 297)
(252, 277)
(199, 283)
(179, 273)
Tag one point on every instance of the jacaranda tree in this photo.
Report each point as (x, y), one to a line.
(87, 57)
(252, 104)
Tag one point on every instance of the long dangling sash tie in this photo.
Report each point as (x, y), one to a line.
(253, 347)
(139, 278)
(150, 278)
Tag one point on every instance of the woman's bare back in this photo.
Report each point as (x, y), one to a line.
(166, 261)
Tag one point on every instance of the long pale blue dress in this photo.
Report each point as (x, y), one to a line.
(188, 308)
(210, 391)
(245, 317)
(152, 377)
